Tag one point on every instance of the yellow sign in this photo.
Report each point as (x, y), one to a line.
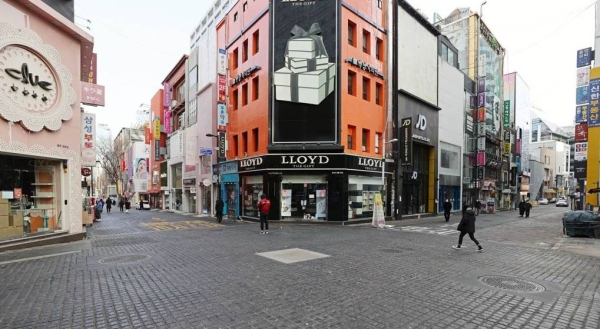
(506, 148)
(156, 130)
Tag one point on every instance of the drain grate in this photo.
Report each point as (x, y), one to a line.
(123, 259)
(511, 283)
(391, 251)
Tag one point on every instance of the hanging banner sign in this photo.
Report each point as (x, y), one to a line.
(406, 139)
(506, 114)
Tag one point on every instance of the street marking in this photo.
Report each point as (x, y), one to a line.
(180, 225)
(38, 257)
(429, 230)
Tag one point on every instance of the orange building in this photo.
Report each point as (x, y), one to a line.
(158, 166)
(306, 105)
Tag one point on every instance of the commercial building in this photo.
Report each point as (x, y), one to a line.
(158, 151)
(123, 144)
(44, 55)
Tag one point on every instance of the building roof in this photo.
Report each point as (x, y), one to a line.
(418, 17)
(180, 63)
(556, 129)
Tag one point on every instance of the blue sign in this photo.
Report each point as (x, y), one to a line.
(582, 95)
(594, 89)
(581, 113)
(584, 57)
(206, 152)
(481, 100)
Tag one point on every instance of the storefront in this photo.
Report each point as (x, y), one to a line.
(420, 175)
(230, 187)
(189, 195)
(333, 187)
(40, 120)
(450, 176)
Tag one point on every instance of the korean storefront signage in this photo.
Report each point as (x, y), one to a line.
(584, 57)
(365, 67)
(230, 167)
(222, 85)
(92, 94)
(156, 150)
(243, 75)
(480, 173)
(594, 115)
(311, 162)
(89, 71)
(221, 116)
(156, 129)
(581, 151)
(189, 181)
(406, 151)
(506, 114)
(147, 135)
(583, 76)
(473, 102)
(506, 148)
(481, 85)
(222, 141)
(167, 122)
(481, 100)
(581, 132)
(581, 113)
(222, 62)
(88, 139)
(481, 158)
(166, 94)
(582, 95)
(35, 81)
(481, 115)
(580, 169)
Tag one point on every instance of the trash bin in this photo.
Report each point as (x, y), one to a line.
(581, 223)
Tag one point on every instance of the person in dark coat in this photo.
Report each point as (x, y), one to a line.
(527, 207)
(467, 226)
(219, 209)
(477, 207)
(127, 205)
(447, 209)
(109, 203)
(121, 204)
(521, 208)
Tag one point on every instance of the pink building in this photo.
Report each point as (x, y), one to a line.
(42, 53)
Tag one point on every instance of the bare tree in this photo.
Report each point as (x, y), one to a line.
(110, 154)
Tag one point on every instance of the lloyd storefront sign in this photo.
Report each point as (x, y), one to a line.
(311, 162)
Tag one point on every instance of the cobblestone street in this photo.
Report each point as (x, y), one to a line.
(186, 272)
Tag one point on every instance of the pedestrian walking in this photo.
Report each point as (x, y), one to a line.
(100, 205)
(477, 207)
(521, 208)
(219, 205)
(264, 205)
(527, 207)
(467, 226)
(447, 209)
(127, 205)
(121, 204)
(109, 203)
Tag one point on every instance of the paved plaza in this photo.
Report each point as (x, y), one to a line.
(161, 270)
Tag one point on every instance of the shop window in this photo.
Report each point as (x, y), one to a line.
(255, 42)
(351, 137)
(245, 143)
(255, 139)
(366, 88)
(351, 33)
(234, 59)
(304, 198)
(244, 94)
(234, 99)
(253, 190)
(245, 51)
(181, 93)
(366, 42)
(378, 93)
(365, 140)
(377, 141)
(231, 197)
(235, 146)
(351, 83)
(255, 90)
(379, 49)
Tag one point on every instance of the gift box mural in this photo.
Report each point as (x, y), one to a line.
(305, 106)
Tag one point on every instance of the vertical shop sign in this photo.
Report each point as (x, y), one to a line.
(147, 134)
(594, 115)
(167, 122)
(88, 139)
(406, 140)
(581, 132)
(166, 94)
(156, 150)
(584, 57)
(583, 76)
(582, 95)
(156, 132)
(506, 114)
(581, 113)
(222, 85)
(222, 145)
(222, 62)
(581, 169)
(221, 116)
(481, 158)
(481, 85)
(481, 100)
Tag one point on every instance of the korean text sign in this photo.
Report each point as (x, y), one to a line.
(88, 139)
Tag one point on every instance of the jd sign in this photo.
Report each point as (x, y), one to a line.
(421, 122)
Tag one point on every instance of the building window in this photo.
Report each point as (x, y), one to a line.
(235, 16)
(365, 140)
(377, 140)
(234, 59)
(193, 78)
(255, 89)
(234, 99)
(245, 143)
(180, 121)
(235, 146)
(379, 3)
(379, 49)
(255, 139)
(245, 51)
(351, 137)
(351, 33)
(351, 83)
(244, 94)
(366, 89)
(181, 93)
(366, 42)
(255, 40)
(193, 117)
(245, 7)
(378, 93)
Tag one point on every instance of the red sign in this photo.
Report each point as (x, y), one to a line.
(147, 137)
(89, 70)
(92, 94)
(581, 132)
(17, 193)
(86, 172)
(481, 115)
(222, 89)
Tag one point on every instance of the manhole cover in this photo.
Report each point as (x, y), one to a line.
(391, 251)
(123, 259)
(512, 284)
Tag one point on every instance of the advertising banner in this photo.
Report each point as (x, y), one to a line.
(222, 62)
(583, 76)
(147, 135)
(156, 129)
(140, 168)
(191, 150)
(88, 139)
(581, 151)
(584, 57)
(580, 169)
(582, 95)
(221, 116)
(378, 215)
(166, 94)
(506, 114)
(581, 132)
(581, 113)
(305, 107)
(286, 203)
(222, 85)
(156, 150)
(406, 141)
(167, 122)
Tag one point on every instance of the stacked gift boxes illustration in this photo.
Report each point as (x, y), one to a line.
(307, 77)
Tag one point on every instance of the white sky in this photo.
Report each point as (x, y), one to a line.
(138, 42)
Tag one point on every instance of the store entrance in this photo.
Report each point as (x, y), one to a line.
(305, 200)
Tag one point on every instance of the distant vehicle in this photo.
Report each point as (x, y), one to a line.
(553, 200)
(542, 201)
(562, 203)
(112, 192)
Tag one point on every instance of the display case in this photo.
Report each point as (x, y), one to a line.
(42, 215)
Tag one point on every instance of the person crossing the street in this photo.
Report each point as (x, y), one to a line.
(467, 226)
(447, 209)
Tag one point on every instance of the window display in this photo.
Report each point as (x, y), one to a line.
(231, 195)
(253, 190)
(305, 200)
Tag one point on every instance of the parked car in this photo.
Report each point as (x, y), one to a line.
(542, 201)
(562, 203)
(553, 200)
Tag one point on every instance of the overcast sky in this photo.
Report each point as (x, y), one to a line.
(138, 42)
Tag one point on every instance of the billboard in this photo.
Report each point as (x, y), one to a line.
(304, 105)
(140, 166)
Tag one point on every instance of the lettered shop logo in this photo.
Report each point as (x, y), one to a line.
(253, 162)
(27, 78)
(299, 2)
(304, 161)
(421, 122)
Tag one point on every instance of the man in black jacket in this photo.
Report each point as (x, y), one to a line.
(447, 209)
(521, 208)
(219, 205)
(467, 226)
